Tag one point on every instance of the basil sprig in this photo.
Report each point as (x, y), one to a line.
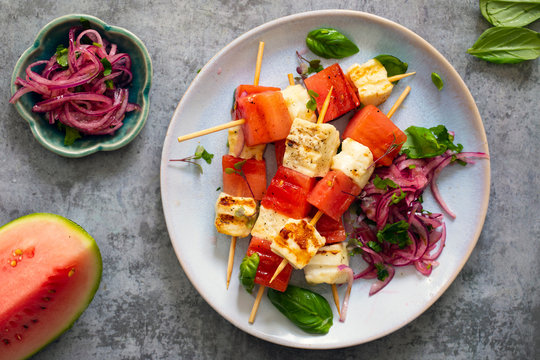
(248, 270)
(510, 12)
(425, 143)
(392, 64)
(330, 44)
(306, 309)
(507, 45)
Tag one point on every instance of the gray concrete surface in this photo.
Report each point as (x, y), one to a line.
(146, 308)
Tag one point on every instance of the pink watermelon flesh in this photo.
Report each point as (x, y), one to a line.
(50, 269)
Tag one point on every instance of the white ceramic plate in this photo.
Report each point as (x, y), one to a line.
(188, 197)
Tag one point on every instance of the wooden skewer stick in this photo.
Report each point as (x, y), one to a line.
(399, 101)
(256, 304)
(291, 79)
(232, 248)
(259, 63)
(336, 298)
(213, 129)
(400, 76)
(324, 108)
(230, 263)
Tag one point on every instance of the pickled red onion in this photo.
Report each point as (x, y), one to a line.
(80, 95)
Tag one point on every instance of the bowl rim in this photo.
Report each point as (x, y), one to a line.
(28, 115)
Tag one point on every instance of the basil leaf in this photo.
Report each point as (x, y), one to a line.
(330, 43)
(248, 270)
(393, 65)
(395, 233)
(425, 143)
(436, 79)
(510, 12)
(306, 309)
(507, 45)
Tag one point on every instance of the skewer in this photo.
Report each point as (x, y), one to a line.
(232, 248)
(230, 263)
(291, 79)
(336, 298)
(400, 76)
(259, 63)
(256, 304)
(319, 213)
(399, 101)
(213, 129)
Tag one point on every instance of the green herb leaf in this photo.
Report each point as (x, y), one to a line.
(330, 43)
(306, 309)
(507, 45)
(248, 270)
(393, 65)
(382, 273)
(510, 12)
(107, 67)
(395, 233)
(110, 84)
(315, 66)
(229, 171)
(425, 143)
(71, 135)
(219, 188)
(201, 153)
(96, 44)
(62, 55)
(384, 184)
(239, 165)
(397, 198)
(436, 79)
(375, 246)
(312, 103)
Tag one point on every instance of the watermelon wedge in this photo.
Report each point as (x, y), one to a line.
(50, 269)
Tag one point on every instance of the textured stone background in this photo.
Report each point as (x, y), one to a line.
(146, 308)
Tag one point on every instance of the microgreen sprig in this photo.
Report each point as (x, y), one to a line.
(200, 153)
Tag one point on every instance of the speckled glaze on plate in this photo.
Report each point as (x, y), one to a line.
(44, 46)
(188, 197)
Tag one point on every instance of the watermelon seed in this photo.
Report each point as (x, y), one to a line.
(35, 321)
(52, 291)
(46, 299)
(25, 326)
(18, 337)
(17, 252)
(13, 263)
(6, 341)
(43, 307)
(71, 272)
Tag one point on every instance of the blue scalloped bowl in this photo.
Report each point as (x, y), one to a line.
(55, 33)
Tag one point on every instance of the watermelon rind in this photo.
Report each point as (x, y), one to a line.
(93, 250)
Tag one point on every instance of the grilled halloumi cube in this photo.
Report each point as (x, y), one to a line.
(297, 242)
(371, 80)
(268, 224)
(309, 147)
(296, 97)
(239, 149)
(355, 160)
(235, 215)
(323, 267)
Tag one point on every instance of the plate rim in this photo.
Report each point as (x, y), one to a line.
(475, 119)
